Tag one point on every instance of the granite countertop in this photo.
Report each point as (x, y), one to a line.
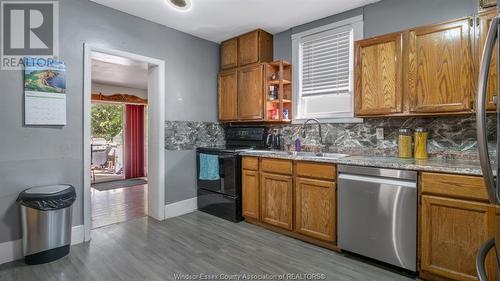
(463, 167)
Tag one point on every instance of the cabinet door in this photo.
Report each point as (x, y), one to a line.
(315, 208)
(229, 53)
(484, 24)
(276, 200)
(439, 68)
(378, 74)
(248, 48)
(228, 96)
(250, 93)
(250, 194)
(451, 233)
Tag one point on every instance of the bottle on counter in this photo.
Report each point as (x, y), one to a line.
(404, 143)
(421, 136)
(298, 145)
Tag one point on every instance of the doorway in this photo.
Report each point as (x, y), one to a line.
(118, 149)
(142, 135)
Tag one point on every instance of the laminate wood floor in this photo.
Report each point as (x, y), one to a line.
(196, 243)
(118, 205)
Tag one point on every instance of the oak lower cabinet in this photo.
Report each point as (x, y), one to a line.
(250, 194)
(452, 232)
(379, 81)
(315, 208)
(452, 229)
(276, 200)
(228, 96)
(251, 93)
(297, 198)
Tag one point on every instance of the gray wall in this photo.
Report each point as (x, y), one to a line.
(384, 17)
(36, 156)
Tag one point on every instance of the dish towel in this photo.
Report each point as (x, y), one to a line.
(209, 167)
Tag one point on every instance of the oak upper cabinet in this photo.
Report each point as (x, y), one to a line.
(378, 72)
(315, 208)
(484, 20)
(276, 188)
(229, 54)
(440, 68)
(452, 231)
(228, 95)
(255, 47)
(241, 82)
(251, 93)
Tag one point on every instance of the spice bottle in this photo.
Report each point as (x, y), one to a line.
(421, 136)
(404, 143)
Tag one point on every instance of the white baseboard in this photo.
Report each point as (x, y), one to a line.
(181, 208)
(77, 234)
(13, 250)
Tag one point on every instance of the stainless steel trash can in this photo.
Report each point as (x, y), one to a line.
(46, 213)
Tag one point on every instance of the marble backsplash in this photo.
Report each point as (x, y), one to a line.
(187, 135)
(449, 137)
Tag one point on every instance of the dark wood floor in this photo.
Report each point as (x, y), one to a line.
(196, 243)
(118, 205)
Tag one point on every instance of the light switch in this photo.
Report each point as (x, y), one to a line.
(380, 133)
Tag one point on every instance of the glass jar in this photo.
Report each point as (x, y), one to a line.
(404, 143)
(421, 136)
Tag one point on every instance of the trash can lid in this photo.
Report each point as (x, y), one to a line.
(48, 191)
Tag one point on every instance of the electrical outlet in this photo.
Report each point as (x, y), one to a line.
(380, 133)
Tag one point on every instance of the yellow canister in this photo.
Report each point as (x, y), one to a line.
(421, 136)
(404, 143)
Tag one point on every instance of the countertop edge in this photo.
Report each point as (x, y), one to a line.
(431, 165)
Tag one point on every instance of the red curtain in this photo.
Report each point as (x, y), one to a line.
(134, 141)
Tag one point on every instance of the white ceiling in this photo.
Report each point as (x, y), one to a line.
(118, 71)
(218, 20)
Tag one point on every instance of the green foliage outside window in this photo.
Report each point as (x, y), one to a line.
(107, 120)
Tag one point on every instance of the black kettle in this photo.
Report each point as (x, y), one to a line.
(274, 140)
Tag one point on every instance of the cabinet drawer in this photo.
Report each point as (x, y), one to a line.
(277, 166)
(467, 187)
(316, 170)
(250, 163)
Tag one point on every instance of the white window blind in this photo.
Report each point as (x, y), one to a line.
(326, 64)
(323, 60)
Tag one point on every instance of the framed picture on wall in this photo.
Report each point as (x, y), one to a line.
(487, 3)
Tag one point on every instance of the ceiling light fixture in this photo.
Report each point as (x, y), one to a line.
(180, 5)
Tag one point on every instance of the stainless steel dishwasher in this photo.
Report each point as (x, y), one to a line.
(377, 214)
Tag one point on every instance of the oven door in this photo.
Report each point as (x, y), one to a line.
(228, 172)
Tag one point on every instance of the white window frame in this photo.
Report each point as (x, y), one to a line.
(356, 24)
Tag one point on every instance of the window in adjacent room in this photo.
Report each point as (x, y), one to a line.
(323, 60)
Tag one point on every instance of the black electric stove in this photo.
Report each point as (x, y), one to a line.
(221, 197)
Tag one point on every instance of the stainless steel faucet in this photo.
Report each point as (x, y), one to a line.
(319, 129)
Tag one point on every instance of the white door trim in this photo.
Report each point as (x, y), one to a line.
(156, 132)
